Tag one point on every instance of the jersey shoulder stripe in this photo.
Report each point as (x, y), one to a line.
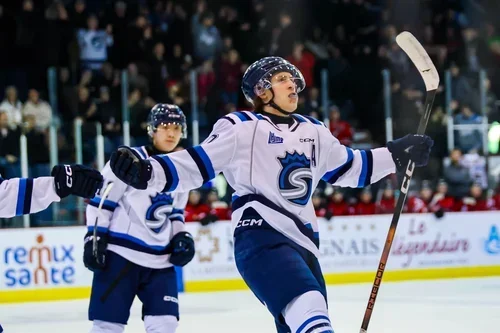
(366, 168)
(203, 162)
(24, 196)
(171, 174)
(313, 120)
(332, 176)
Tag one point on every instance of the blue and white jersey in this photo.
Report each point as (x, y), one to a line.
(93, 45)
(273, 168)
(140, 224)
(20, 196)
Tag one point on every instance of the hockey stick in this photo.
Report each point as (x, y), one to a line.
(422, 61)
(99, 208)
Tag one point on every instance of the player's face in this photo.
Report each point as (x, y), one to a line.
(285, 91)
(167, 137)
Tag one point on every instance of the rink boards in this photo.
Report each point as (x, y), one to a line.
(46, 263)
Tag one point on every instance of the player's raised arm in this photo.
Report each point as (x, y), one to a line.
(20, 196)
(348, 167)
(180, 171)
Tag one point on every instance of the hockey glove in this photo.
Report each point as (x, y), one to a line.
(412, 146)
(181, 248)
(76, 179)
(95, 261)
(130, 168)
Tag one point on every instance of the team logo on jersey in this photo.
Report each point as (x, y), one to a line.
(274, 139)
(157, 213)
(295, 178)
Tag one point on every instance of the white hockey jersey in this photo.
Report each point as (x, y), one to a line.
(139, 224)
(20, 196)
(273, 168)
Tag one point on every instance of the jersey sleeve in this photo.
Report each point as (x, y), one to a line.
(177, 217)
(343, 166)
(191, 168)
(104, 215)
(20, 196)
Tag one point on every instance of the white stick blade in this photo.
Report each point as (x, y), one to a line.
(416, 52)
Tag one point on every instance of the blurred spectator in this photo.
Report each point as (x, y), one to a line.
(230, 77)
(338, 206)
(468, 139)
(476, 165)
(94, 44)
(40, 109)
(158, 73)
(457, 176)
(12, 106)
(79, 14)
(206, 79)
(441, 199)
(38, 147)
(420, 203)
(178, 63)
(475, 201)
(387, 202)
(9, 148)
(219, 210)
(110, 119)
(304, 61)
(206, 38)
(365, 204)
(319, 205)
(340, 129)
(195, 209)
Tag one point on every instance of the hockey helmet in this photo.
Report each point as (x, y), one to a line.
(257, 77)
(164, 114)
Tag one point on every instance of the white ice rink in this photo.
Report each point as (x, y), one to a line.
(445, 306)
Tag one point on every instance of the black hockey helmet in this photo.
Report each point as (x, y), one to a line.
(164, 114)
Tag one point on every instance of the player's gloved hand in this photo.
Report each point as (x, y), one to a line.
(130, 168)
(412, 146)
(328, 215)
(439, 213)
(95, 261)
(181, 248)
(76, 179)
(210, 218)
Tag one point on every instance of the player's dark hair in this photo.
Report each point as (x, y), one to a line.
(258, 104)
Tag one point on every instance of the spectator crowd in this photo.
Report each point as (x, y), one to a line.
(89, 44)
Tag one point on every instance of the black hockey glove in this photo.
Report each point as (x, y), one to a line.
(76, 179)
(95, 261)
(439, 213)
(210, 218)
(412, 146)
(130, 168)
(181, 248)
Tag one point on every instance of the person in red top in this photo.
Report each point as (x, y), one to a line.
(338, 206)
(419, 204)
(441, 199)
(304, 61)
(195, 209)
(230, 72)
(365, 205)
(387, 202)
(219, 210)
(475, 202)
(340, 129)
(319, 204)
(206, 79)
(496, 198)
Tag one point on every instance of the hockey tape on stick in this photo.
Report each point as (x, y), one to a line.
(416, 52)
(422, 61)
(99, 210)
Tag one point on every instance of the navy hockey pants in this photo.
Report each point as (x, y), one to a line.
(156, 288)
(275, 268)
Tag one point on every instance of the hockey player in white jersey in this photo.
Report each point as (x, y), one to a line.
(274, 160)
(20, 196)
(140, 237)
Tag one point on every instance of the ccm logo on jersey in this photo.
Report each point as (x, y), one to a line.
(306, 140)
(249, 223)
(69, 173)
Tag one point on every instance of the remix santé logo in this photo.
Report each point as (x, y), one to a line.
(39, 264)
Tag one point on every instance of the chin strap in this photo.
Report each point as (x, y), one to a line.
(275, 106)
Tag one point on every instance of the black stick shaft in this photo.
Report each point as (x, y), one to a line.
(429, 100)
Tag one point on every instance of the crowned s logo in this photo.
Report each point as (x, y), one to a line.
(157, 213)
(295, 178)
